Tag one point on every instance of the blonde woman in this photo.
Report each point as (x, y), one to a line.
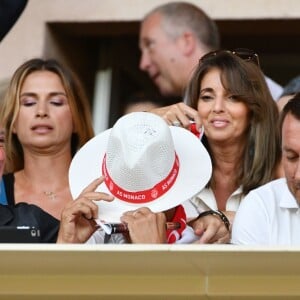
(47, 119)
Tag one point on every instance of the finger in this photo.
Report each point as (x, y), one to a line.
(184, 114)
(97, 196)
(144, 210)
(84, 207)
(224, 239)
(161, 218)
(134, 213)
(191, 114)
(73, 213)
(198, 227)
(175, 115)
(198, 122)
(93, 185)
(208, 235)
(127, 218)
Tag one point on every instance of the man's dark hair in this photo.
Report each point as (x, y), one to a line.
(292, 107)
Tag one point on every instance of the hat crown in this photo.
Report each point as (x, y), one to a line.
(140, 151)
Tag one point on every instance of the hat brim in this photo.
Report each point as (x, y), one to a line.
(194, 173)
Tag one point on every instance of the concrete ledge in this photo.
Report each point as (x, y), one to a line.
(148, 271)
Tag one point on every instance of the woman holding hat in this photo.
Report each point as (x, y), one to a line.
(239, 118)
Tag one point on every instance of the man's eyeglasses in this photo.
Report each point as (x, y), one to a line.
(243, 53)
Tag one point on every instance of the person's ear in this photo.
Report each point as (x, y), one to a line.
(187, 43)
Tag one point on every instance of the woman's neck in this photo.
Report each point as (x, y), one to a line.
(41, 168)
(226, 166)
(44, 182)
(227, 159)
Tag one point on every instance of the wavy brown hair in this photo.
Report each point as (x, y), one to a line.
(244, 79)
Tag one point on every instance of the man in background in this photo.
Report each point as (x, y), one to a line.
(173, 37)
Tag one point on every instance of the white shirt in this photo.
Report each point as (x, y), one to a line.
(206, 200)
(268, 215)
(275, 88)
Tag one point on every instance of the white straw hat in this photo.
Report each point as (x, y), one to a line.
(145, 162)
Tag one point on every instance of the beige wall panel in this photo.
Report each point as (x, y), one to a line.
(212, 272)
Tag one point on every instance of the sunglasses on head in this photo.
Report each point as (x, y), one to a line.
(243, 53)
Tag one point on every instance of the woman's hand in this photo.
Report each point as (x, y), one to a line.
(145, 227)
(212, 230)
(179, 114)
(78, 217)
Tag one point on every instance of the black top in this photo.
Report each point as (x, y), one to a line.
(24, 214)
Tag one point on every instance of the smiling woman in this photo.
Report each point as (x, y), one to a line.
(229, 98)
(239, 118)
(47, 119)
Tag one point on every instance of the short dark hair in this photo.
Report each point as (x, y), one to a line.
(292, 107)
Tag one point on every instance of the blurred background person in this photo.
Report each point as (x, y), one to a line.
(173, 37)
(289, 91)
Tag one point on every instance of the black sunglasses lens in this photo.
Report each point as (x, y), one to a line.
(243, 53)
(246, 54)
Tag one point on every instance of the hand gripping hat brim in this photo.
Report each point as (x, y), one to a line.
(194, 171)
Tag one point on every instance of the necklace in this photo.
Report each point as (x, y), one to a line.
(51, 195)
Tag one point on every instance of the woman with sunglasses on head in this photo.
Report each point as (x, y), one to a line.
(239, 120)
(47, 119)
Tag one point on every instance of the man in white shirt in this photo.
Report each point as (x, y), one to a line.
(270, 214)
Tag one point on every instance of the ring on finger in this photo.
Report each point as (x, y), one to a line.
(176, 123)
